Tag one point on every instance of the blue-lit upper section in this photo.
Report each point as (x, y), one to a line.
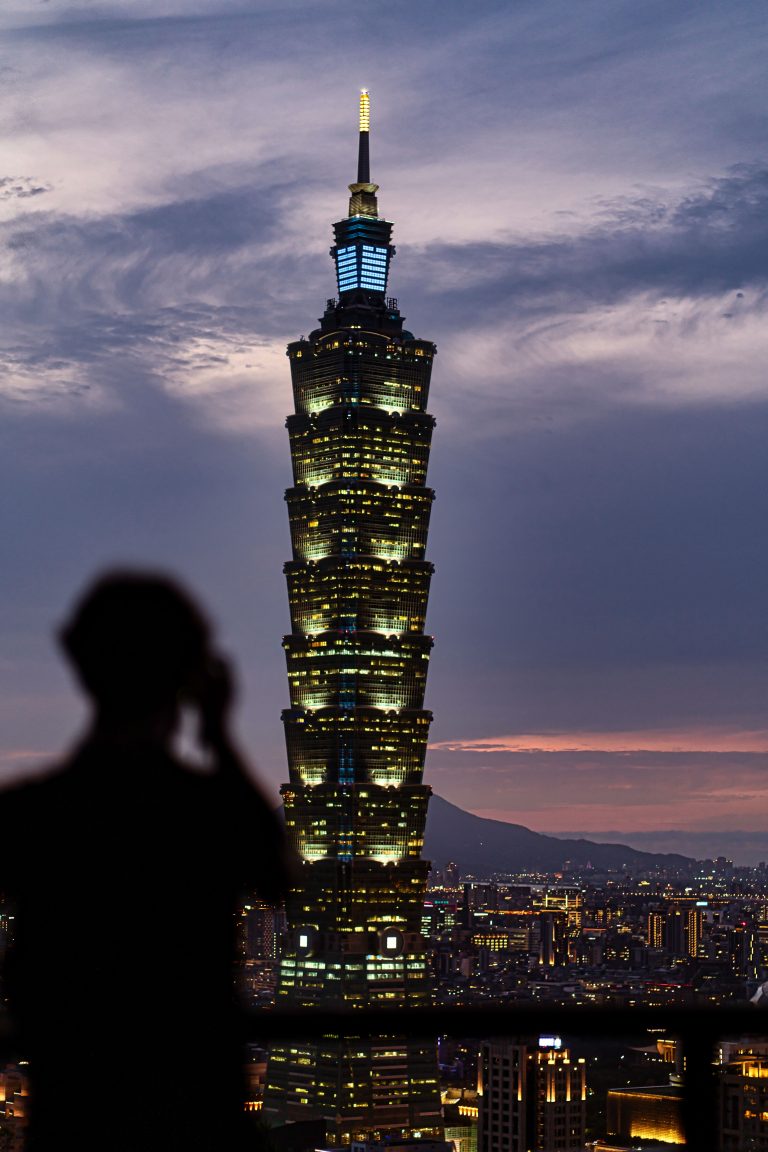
(362, 266)
(362, 253)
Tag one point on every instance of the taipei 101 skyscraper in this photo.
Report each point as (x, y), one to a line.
(356, 730)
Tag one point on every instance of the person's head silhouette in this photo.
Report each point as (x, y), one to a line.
(139, 645)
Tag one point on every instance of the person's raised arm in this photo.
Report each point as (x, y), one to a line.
(214, 695)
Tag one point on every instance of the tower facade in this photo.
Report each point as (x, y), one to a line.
(532, 1099)
(356, 730)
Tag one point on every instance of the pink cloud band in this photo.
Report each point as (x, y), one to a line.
(721, 739)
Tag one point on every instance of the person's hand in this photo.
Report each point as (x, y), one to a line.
(214, 696)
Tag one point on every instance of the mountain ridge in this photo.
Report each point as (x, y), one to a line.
(483, 846)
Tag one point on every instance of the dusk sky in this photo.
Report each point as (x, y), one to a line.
(580, 199)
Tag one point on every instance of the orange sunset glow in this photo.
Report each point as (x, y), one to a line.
(698, 739)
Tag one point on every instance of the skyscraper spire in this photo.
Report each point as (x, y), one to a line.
(363, 158)
(362, 200)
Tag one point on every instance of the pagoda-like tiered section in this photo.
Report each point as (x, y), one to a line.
(356, 730)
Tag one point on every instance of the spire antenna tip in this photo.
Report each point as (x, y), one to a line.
(365, 110)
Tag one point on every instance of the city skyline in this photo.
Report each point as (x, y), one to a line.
(582, 199)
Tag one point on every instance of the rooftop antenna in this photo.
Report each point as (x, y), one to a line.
(363, 161)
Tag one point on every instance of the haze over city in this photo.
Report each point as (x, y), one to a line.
(579, 197)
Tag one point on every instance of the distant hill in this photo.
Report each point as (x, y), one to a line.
(482, 847)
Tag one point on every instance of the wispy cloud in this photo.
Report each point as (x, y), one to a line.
(664, 740)
(21, 188)
(654, 302)
(559, 790)
(572, 325)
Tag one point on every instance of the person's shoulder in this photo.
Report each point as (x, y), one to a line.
(20, 794)
(29, 811)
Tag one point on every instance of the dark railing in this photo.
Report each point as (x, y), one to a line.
(697, 1030)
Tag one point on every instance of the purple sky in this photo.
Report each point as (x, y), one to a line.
(579, 194)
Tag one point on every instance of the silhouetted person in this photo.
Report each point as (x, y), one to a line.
(125, 866)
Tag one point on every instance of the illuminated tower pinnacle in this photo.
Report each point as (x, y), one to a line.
(356, 730)
(363, 158)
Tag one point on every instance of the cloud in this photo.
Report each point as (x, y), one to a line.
(647, 302)
(192, 167)
(181, 271)
(162, 289)
(634, 791)
(691, 740)
(21, 187)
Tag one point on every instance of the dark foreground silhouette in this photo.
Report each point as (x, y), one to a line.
(124, 867)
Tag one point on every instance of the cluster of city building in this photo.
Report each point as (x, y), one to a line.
(626, 941)
(540, 1096)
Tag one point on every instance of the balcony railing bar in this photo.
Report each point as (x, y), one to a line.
(704, 1024)
(697, 1030)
